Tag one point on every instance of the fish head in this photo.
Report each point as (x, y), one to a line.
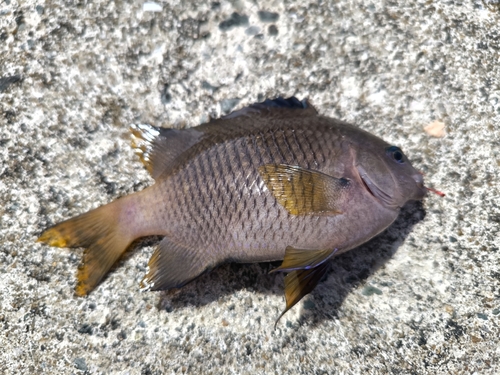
(388, 175)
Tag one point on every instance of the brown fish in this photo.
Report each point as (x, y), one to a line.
(268, 182)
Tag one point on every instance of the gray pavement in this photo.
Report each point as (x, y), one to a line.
(422, 298)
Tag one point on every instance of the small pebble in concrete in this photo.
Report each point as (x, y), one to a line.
(370, 290)
(80, 364)
(273, 30)
(235, 20)
(266, 16)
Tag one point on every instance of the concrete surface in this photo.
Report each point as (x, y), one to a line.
(423, 298)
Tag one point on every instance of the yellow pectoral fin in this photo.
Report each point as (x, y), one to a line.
(302, 191)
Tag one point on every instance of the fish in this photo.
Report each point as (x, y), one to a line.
(274, 181)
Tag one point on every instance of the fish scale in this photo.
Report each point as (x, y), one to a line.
(271, 181)
(211, 219)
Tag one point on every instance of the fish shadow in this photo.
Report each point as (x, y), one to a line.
(348, 271)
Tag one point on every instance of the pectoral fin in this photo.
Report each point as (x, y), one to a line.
(302, 191)
(306, 268)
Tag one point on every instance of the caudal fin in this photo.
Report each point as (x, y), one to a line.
(99, 231)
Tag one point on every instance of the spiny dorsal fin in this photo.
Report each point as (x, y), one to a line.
(160, 148)
(302, 191)
(298, 107)
(280, 102)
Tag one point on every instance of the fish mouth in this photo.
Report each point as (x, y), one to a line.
(422, 189)
(373, 189)
(419, 179)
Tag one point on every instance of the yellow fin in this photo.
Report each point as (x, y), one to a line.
(143, 137)
(296, 259)
(306, 268)
(53, 237)
(302, 191)
(104, 239)
(299, 283)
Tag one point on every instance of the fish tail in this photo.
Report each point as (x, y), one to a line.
(104, 236)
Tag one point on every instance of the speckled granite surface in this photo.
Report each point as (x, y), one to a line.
(422, 298)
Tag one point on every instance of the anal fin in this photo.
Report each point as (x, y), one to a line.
(173, 265)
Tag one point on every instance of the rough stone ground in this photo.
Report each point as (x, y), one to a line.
(422, 298)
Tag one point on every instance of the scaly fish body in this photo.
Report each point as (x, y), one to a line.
(218, 202)
(269, 182)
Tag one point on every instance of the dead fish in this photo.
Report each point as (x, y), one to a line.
(272, 181)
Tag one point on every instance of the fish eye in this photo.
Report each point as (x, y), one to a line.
(396, 154)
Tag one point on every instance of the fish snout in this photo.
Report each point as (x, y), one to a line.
(421, 190)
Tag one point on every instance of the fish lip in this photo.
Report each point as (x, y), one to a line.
(373, 189)
(366, 184)
(423, 190)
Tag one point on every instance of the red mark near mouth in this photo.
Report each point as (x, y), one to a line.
(441, 194)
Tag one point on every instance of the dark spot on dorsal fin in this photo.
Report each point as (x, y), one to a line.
(279, 102)
(291, 103)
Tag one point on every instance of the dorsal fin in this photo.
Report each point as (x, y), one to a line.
(279, 102)
(160, 148)
(299, 107)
